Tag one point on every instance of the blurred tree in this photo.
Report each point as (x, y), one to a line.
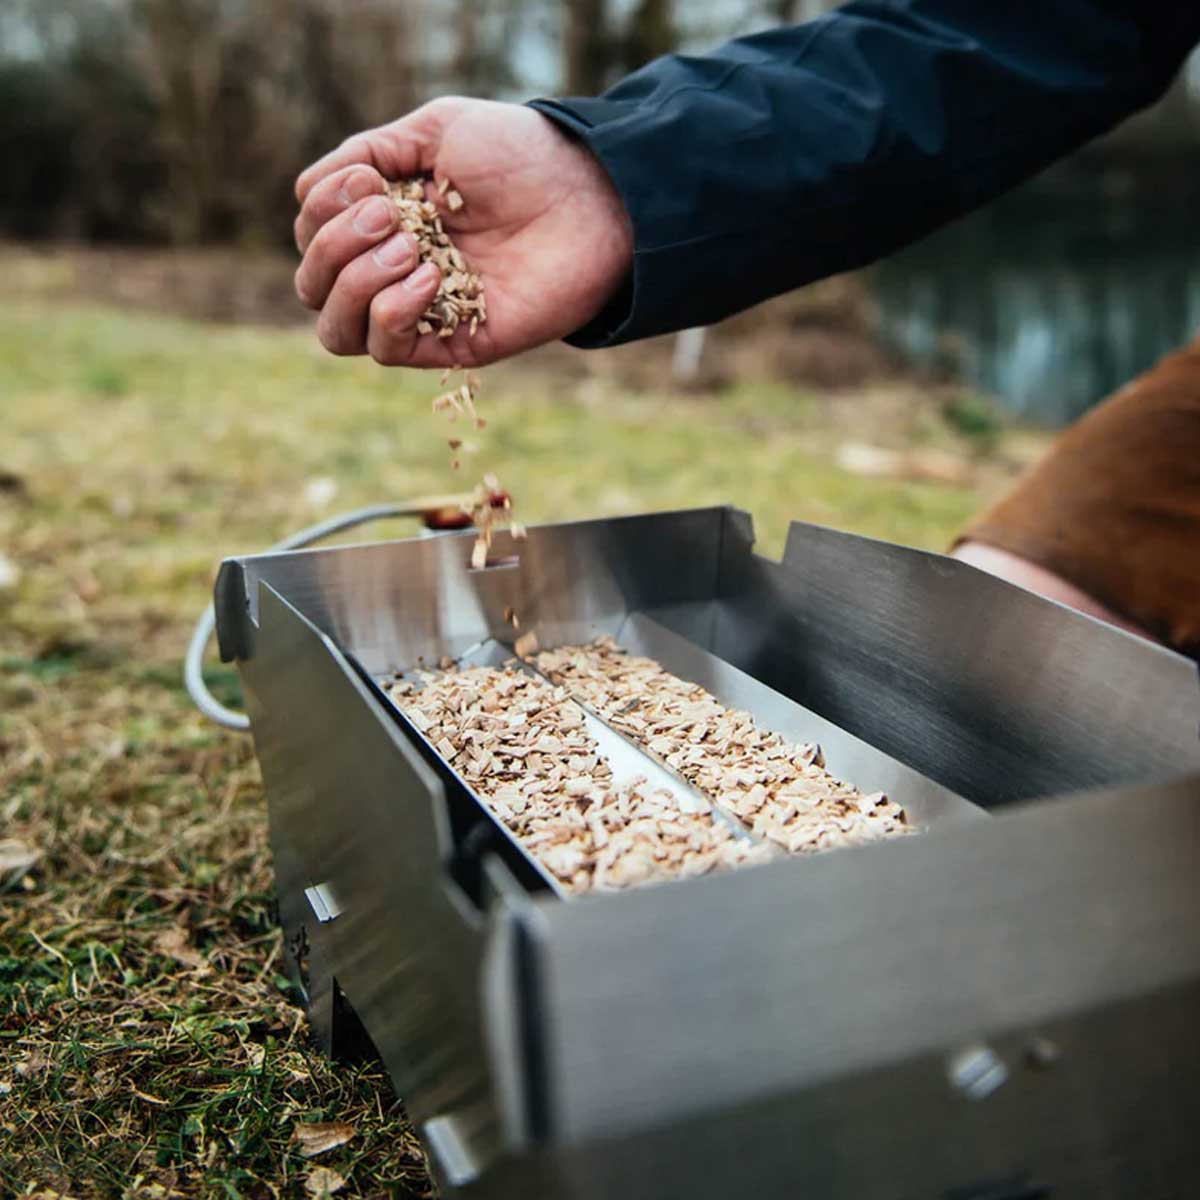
(651, 32)
(587, 47)
(188, 120)
(792, 12)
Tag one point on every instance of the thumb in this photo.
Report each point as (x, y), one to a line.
(397, 150)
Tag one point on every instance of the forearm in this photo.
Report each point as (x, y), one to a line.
(805, 151)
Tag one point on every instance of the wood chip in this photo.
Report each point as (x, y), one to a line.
(526, 645)
(460, 300)
(460, 296)
(780, 791)
(523, 747)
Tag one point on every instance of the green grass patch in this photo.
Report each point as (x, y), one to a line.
(149, 1044)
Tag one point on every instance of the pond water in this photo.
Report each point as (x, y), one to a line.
(1057, 294)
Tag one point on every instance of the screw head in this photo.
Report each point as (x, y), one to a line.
(976, 1071)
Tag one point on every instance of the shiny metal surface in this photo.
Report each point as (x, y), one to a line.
(790, 1029)
(846, 756)
(390, 602)
(992, 691)
(833, 965)
(794, 1030)
(356, 811)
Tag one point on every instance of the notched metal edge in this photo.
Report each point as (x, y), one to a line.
(231, 605)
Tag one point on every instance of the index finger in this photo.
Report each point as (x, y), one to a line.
(396, 151)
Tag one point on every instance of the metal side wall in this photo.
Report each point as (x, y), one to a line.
(356, 818)
(389, 602)
(991, 690)
(1004, 1010)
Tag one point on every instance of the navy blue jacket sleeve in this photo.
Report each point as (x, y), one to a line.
(797, 153)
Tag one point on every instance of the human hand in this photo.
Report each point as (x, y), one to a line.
(542, 225)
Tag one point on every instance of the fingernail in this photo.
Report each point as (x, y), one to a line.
(358, 185)
(397, 251)
(423, 277)
(375, 217)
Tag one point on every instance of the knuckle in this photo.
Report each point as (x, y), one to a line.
(359, 145)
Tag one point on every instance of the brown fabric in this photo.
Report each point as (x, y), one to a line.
(1114, 507)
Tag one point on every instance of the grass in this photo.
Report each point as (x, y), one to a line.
(150, 1045)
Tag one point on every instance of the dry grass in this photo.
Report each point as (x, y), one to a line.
(149, 1042)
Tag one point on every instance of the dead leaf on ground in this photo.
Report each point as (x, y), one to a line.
(16, 859)
(922, 466)
(174, 943)
(324, 1135)
(34, 1063)
(323, 1181)
(10, 573)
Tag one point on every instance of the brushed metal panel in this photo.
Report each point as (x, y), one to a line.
(389, 602)
(684, 1000)
(846, 756)
(993, 691)
(353, 807)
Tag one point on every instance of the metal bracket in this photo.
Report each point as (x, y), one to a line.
(323, 903)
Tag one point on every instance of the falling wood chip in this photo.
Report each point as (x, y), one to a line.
(460, 300)
(325, 1135)
(526, 645)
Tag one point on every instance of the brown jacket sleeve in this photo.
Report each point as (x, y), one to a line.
(1114, 507)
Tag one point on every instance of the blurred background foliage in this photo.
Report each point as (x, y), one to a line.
(183, 123)
(186, 121)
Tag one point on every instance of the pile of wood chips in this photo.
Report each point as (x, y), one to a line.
(780, 791)
(522, 745)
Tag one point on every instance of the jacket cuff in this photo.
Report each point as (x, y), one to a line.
(615, 324)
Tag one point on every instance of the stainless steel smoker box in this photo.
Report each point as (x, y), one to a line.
(1004, 1008)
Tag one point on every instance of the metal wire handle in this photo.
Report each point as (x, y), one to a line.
(193, 663)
